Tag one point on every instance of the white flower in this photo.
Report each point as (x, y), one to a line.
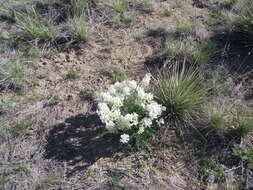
(147, 122)
(110, 125)
(132, 84)
(126, 90)
(103, 111)
(141, 93)
(124, 138)
(115, 114)
(141, 130)
(161, 121)
(132, 118)
(112, 90)
(116, 101)
(149, 97)
(146, 80)
(155, 110)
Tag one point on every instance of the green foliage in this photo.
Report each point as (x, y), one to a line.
(243, 22)
(3, 180)
(54, 100)
(236, 188)
(5, 35)
(79, 28)
(78, 7)
(48, 181)
(4, 106)
(182, 28)
(141, 141)
(120, 6)
(73, 74)
(21, 167)
(31, 52)
(21, 128)
(34, 27)
(244, 127)
(130, 106)
(216, 83)
(181, 93)
(167, 12)
(177, 4)
(140, 36)
(138, 141)
(217, 122)
(216, 17)
(228, 3)
(12, 73)
(212, 168)
(245, 155)
(5, 9)
(123, 19)
(147, 5)
(178, 50)
(204, 52)
(117, 74)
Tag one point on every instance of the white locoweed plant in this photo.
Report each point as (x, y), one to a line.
(129, 111)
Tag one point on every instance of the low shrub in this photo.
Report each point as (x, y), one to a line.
(130, 112)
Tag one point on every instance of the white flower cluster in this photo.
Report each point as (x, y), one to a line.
(111, 108)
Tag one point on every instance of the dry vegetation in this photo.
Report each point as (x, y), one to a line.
(57, 56)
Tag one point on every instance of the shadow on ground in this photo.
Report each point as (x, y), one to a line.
(78, 142)
(234, 52)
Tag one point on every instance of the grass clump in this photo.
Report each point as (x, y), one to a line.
(204, 52)
(167, 12)
(78, 7)
(216, 17)
(242, 22)
(118, 74)
(34, 27)
(79, 28)
(73, 74)
(181, 93)
(12, 74)
(244, 128)
(147, 6)
(183, 28)
(178, 49)
(217, 122)
(21, 128)
(120, 6)
(123, 19)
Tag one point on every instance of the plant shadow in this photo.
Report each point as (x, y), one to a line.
(78, 142)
